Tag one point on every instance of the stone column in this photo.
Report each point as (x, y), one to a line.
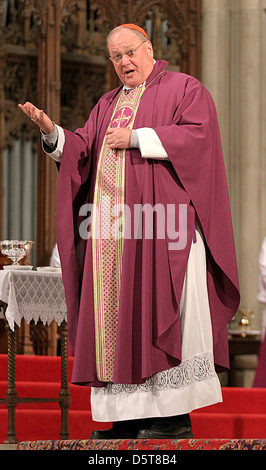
(233, 69)
(216, 63)
(250, 149)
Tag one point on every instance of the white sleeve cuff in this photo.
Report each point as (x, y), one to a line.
(150, 145)
(57, 137)
(51, 139)
(134, 141)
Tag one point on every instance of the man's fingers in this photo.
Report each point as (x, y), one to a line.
(118, 137)
(24, 109)
(110, 131)
(34, 115)
(32, 112)
(29, 109)
(109, 136)
(37, 116)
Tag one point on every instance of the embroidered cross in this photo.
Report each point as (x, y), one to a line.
(122, 118)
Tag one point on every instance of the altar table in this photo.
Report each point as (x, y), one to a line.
(33, 295)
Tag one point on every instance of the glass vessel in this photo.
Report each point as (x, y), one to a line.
(16, 249)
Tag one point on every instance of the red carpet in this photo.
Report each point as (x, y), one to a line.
(144, 444)
(242, 415)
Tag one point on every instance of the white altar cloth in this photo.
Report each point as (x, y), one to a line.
(32, 295)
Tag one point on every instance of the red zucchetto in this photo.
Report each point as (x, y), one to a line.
(136, 27)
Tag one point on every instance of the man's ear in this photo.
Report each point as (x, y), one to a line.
(149, 48)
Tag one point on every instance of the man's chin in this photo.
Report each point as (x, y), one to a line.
(131, 80)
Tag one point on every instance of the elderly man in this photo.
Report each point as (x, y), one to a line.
(146, 245)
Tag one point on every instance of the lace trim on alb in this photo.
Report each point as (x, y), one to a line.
(196, 369)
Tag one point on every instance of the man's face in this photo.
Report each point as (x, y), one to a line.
(135, 70)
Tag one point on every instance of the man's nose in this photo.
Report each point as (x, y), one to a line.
(125, 60)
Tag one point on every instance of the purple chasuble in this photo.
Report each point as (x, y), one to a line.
(182, 113)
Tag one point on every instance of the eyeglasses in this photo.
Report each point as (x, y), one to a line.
(130, 54)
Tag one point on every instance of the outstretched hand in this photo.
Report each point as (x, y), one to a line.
(38, 117)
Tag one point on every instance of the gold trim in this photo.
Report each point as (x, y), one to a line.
(111, 163)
